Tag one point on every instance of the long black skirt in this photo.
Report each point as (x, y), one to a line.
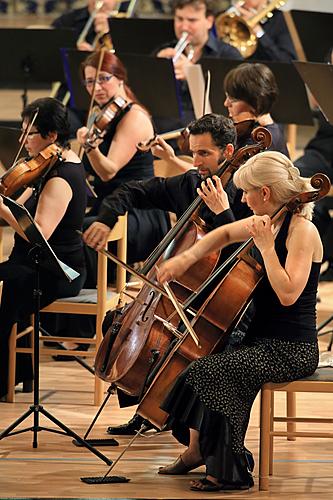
(215, 394)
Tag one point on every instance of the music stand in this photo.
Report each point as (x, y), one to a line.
(319, 78)
(314, 31)
(292, 105)
(144, 74)
(140, 35)
(9, 137)
(34, 58)
(43, 256)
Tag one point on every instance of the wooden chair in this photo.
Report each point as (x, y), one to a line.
(321, 382)
(97, 302)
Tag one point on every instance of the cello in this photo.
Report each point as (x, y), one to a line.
(213, 329)
(125, 355)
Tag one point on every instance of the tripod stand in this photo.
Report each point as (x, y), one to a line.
(41, 252)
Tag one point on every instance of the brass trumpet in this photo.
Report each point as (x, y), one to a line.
(236, 31)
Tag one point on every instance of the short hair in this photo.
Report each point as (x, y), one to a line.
(196, 4)
(275, 170)
(253, 83)
(221, 129)
(52, 117)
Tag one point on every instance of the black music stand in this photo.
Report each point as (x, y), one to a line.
(140, 35)
(43, 256)
(314, 30)
(319, 78)
(292, 105)
(144, 74)
(9, 137)
(34, 58)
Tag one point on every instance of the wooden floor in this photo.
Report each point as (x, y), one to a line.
(302, 469)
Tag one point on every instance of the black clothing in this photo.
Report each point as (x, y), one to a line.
(18, 272)
(276, 43)
(214, 395)
(146, 228)
(213, 48)
(278, 142)
(318, 157)
(76, 19)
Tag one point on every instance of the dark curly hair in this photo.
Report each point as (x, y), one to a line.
(221, 129)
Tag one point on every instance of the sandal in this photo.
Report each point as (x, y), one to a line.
(179, 467)
(208, 485)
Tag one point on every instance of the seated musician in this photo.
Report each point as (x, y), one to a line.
(250, 92)
(273, 37)
(196, 18)
(57, 202)
(113, 159)
(210, 403)
(211, 138)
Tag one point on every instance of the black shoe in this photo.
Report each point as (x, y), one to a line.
(130, 428)
(62, 357)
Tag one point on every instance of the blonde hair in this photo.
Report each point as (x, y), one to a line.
(276, 171)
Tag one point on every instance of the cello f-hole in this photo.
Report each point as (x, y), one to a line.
(145, 318)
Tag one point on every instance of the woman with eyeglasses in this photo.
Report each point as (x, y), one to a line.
(57, 202)
(114, 160)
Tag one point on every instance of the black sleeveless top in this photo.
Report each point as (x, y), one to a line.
(139, 167)
(65, 241)
(296, 322)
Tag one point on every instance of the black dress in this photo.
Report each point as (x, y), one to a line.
(18, 272)
(147, 227)
(214, 395)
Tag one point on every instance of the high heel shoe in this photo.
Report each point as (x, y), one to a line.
(179, 467)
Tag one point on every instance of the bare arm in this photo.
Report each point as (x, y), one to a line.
(218, 238)
(304, 247)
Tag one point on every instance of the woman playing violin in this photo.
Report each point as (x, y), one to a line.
(210, 403)
(114, 158)
(57, 202)
(251, 92)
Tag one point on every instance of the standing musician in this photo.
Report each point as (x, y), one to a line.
(210, 403)
(274, 40)
(57, 202)
(114, 160)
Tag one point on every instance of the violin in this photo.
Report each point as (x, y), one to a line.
(217, 317)
(182, 135)
(100, 119)
(26, 171)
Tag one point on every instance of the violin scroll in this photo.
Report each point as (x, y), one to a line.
(321, 183)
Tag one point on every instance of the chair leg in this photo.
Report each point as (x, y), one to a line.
(271, 438)
(291, 412)
(12, 365)
(264, 451)
(99, 391)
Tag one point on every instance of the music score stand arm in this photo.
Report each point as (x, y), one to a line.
(42, 254)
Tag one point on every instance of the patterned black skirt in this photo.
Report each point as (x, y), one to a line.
(215, 394)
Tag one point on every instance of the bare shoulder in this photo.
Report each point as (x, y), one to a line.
(137, 119)
(303, 232)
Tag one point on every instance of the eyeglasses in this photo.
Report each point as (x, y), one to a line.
(89, 82)
(30, 133)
